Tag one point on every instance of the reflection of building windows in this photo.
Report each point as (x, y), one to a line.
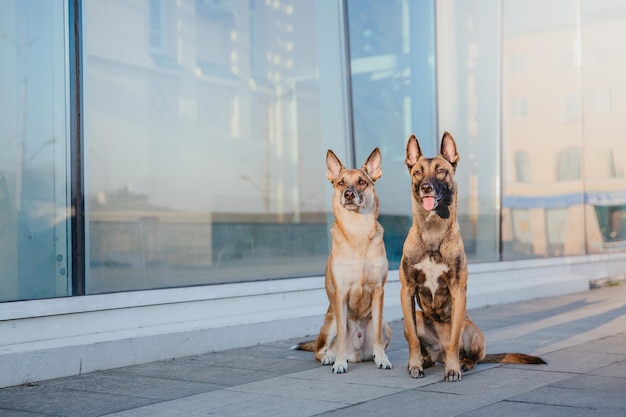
(252, 36)
(164, 104)
(570, 107)
(601, 164)
(568, 57)
(156, 25)
(519, 108)
(517, 62)
(523, 172)
(600, 100)
(597, 54)
(162, 32)
(612, 222)
(568, 164)
(216, 36)
(217, 110)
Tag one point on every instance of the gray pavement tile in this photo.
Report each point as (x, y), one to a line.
(192, 406)
(552, 395)
(494, 317)
(123, 383)
(540, 337)
(51, 400)
(617, 369)
(232, 404)
(564, 330)
(612, 344)
(509, 408)
(517, 343)
(366, 373)
(574, 360)
(609, 385)
(14, 413)
(279, 350)
(197, 371)
(277, 406)
(413, 403)
(251, 361)
(604, 412)
(499, 382)
(310, 389)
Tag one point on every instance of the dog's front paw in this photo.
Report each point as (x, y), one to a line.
(328, 359)
(416, 366)
(382, 362)
(452, 369)
(452, 375)
(415, 372)
(340, 367)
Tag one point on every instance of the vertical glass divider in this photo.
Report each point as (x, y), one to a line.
(77, 213)
(343, 10)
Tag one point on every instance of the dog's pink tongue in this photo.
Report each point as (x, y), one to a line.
(428, 202)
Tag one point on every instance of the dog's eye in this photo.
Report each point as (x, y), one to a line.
(418, 172)
(442, 171)
(341, 182)
(362, 181)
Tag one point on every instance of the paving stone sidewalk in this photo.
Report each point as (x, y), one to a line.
(582, 336)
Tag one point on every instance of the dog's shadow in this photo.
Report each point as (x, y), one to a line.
(534, 329)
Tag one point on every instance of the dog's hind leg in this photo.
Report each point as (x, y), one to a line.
(472, 347)
(326, 341)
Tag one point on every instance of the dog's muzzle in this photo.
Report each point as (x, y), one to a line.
(430, 194)
(351, 199)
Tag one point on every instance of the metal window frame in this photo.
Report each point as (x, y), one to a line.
(77, 194)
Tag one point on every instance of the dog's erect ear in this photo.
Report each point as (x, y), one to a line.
(333, 165)
(448, 149)
(413, 152)
(373, 165)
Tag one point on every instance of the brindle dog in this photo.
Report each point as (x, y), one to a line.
(433, 272)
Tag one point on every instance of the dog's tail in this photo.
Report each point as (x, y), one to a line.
(512, 358)
(309, 346)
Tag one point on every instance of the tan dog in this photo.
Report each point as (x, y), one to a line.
(433, 272)
(356, 272)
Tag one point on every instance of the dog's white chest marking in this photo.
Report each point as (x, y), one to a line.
(432, 270)
(354, 273)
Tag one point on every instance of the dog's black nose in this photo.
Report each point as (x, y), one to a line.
(348, 195)
(426, 188)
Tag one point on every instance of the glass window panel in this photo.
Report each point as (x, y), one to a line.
(204, 142)
(604, 64)
(34, 248)
(392, 64)
(468, 86)
(542, 204)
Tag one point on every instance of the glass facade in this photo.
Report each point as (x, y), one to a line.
(529, 90)
(563, 175)
(392, 57)
(203, 140)
(603, 92)
(35, 259)
(206, 123)
(468, 106)
(542, 131)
